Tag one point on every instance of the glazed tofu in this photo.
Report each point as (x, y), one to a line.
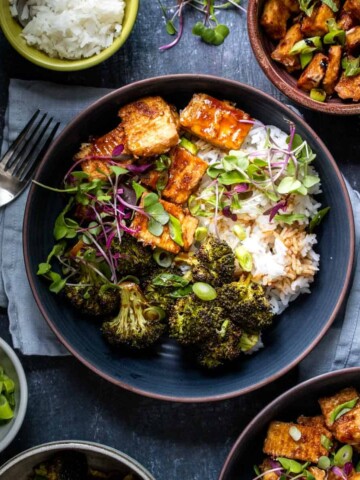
(317, 473)
(345, 21)
(151, 126)
(316, 25)
(279, 443)
(333, 69)
(164, 241)
(274, 19)
(281, 52)
(185, 174)
(348, 88)
(314, 73)
(346, 428)
(102, 146)
(266, 465)
(215, 121)
(353, 8)
(317, 422)
(150, 179)
(353, 41)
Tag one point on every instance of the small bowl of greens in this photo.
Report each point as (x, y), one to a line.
(13, 394)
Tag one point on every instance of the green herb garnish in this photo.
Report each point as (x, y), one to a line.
(342, 409)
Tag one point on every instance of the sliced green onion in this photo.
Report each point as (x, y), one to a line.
(154, 313)
(305, 59)
(204, 291)
(340, 410)
(257, 470)
(189, 146)
(318, 94)
(6, 412)
(162, 258)
(294, 433)
(244, 258)
(308, 45)
(324, 463)
(343, 455)
(239, 232)
(326, 442)
(201, 234)
(335, 36)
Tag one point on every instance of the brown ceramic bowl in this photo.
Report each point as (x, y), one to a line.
(262, 47)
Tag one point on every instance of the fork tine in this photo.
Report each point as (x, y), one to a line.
(23, 149)
(29, 168)
(19, 140)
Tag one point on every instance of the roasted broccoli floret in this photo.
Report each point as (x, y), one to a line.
(67, 465)
(246, 305)
(138, 324)
(193, 320)
(213, 263)
(222, 346)
(133, 258)
(95, 301)
(164, 286)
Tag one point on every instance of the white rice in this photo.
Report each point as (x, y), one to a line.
(271, 257)
(71, 29)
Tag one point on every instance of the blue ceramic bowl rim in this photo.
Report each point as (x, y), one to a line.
(19, 419)
(268, 408)
(75, 444)
(141, 86)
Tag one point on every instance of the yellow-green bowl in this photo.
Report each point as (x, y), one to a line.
(12, 31)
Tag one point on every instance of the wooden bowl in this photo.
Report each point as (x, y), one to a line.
(262, 47)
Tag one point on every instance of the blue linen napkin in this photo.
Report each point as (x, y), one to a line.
(30, 333)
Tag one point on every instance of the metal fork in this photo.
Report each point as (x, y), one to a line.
(18, 164)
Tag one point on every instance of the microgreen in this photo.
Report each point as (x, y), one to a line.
(209, 29)
(170, 280)
(351, 66)
(157, 213)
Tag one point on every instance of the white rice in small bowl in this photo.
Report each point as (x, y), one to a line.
(71, 29)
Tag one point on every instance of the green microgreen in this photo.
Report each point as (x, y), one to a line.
(157, 213)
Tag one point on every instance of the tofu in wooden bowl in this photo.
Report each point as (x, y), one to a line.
(310, 51)
(177, 236)
(311, 431)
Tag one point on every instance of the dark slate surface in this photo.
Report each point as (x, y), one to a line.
(174, 441)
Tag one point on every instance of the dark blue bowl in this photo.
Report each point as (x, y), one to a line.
(165, 372)
(300, 400)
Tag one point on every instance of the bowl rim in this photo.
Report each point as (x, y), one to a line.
(73, 445)
(268, 408)
(141, 87)
(69, 65)
(18, 421)
(271, 69)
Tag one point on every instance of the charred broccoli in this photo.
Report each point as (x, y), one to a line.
(66, 465)
(246, 305)
(133, 257)
(222, 346)
(138, 324)
(193, 320)
(213, 263)
(89, 291)
(164, 286)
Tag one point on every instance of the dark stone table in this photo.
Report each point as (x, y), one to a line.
(67, 401)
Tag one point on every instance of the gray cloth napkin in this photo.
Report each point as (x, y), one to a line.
(339, 348)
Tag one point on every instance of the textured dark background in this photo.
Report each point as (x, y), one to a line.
(66, 401)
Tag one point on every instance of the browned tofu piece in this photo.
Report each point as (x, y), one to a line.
(313, 74)
(215, 121)
(151, 178)
(354, 475)
(353, 41)
(266, 465)
(317, 473)
(348, 88)
(164, 241)
(316, 25)
(274, 18)
(346, 428)
(151, 126)
(185, 173)
(353, 8)
(279, 443)
(292, 5)
(333, 69)
(318, 422)
(345, 21)
(281, 52)
(102, 146)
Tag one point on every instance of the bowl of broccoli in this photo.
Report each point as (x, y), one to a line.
(174, 322)
(13, 394)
